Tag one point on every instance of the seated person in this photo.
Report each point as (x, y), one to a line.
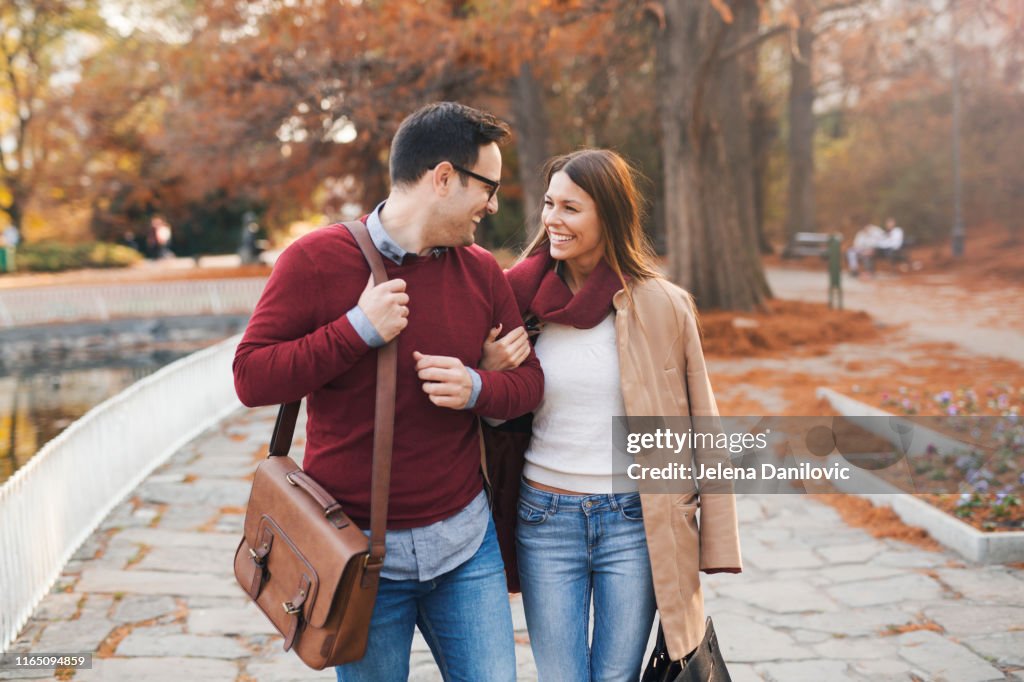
(864, 244)
(892, 242)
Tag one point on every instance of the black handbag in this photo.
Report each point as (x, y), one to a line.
(705, 664)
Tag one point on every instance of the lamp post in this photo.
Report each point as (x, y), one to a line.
(958, 217)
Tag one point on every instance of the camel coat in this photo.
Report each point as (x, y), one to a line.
(663, 374)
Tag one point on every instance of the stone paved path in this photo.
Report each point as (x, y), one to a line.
(152, 595)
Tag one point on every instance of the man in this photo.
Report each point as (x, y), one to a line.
(891, 242)
(312, 334)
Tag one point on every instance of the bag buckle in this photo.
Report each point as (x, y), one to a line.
(256, 558)
(290, 608)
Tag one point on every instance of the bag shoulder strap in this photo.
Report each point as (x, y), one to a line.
(384, 415)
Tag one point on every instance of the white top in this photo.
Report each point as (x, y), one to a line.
(571, 446)
(893, 239)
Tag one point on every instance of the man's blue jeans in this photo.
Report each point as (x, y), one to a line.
(572, 548)
(464, 616)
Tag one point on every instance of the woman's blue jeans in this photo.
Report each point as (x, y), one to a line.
(573, 548)
(464, 616)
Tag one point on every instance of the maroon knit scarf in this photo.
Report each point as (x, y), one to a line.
(540, 291)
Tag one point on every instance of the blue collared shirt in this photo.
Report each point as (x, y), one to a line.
(423, 553)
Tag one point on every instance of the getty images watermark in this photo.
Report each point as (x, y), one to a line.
(677, 455)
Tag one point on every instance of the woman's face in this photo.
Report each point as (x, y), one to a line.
(571, 221)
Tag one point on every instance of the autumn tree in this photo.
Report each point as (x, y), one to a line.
(706, 150)
(36, 39)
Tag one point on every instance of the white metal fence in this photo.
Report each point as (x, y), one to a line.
(45, 305)
(52, 504)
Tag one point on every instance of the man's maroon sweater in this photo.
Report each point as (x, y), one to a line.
(299, 343)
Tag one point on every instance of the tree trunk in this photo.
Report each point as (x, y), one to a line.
(707, 159)
(800, 206)
(531, 131)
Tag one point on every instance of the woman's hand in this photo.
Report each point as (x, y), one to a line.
(508, 353)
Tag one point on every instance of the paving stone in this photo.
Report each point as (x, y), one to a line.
(518, 614)
(187, 518)
(783, 596)
(1004, 649)
(743, 672)
(158, 537)
(207, 493)
(968, 620)
(194, 560)
(244, 620)
(848, 554)
(74, 636)
(832, 535)
(852, 622)
(155, 582)
(59, 606)
(883, 670)
(786, 559)
(857, 648)
(904, 558)
(809, 636)
(856, 572)
(143, 643)
(29, 674)
(197, 601)
(526, 671)
(941, 659)
(805, 671)
(285, 668)
(985, 584)
(743, 640)
(133, 608)
(887, 590)
(162, 670)
(424, 671)
(230, 523)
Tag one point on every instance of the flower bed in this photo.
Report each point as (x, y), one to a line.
(989, 485)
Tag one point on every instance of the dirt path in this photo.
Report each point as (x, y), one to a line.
(934, 335)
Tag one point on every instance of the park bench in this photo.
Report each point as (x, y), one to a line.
(806, 244)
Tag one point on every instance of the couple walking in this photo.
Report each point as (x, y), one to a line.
(616, 339)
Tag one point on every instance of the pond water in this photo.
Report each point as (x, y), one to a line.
(47, 381)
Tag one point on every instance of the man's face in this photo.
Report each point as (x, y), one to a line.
(468, 201)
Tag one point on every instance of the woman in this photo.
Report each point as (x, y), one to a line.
(616, 339)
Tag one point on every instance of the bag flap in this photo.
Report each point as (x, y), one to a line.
(330, 552)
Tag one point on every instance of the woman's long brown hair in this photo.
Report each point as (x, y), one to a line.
(612, 183)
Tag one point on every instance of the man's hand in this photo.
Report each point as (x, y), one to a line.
(508, 353)
(445, 379)
(386, 306)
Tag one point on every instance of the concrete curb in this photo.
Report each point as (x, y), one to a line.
(969, 542)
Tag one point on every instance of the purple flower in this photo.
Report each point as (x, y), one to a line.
(981, 486)
(952, 411)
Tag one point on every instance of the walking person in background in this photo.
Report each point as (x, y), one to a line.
(616, 339)
(313, 335)
(11, 239)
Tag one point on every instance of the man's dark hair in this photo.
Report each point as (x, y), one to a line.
(442, 131)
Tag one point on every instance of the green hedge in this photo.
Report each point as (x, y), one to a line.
(55, 256)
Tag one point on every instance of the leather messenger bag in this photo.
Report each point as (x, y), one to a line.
(307, 566)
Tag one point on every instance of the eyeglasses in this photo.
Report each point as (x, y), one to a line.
(493, 184)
